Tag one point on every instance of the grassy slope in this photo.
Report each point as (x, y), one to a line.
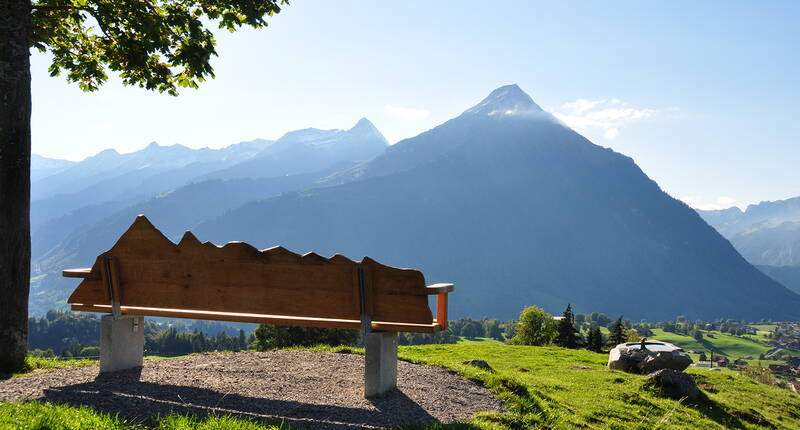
(37, 364)
(544, 386)
(553, 392)
(478, 340)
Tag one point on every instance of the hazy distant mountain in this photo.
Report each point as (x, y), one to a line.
(517, 209)
(310, 150)
(42, 167)
(110, 181)
(789, 276)
(128, 178)
(174, 213)
(69, 229)
(109, 165)
(766, 234)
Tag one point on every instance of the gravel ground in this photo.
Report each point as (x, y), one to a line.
(301, 388)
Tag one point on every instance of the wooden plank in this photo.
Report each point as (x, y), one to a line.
(411, 328)
(224, 316)
(397, 295)
(257, 318)
(441, 310)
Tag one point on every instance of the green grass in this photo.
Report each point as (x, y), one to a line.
(41, 416)
(482, 340)
(557, 388)
(728, 345)
(39, 364)
(764, 327)
(544, 387)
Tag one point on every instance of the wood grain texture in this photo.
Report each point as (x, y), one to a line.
(237, 282)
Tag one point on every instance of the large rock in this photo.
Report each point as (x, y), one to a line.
(479, 363)
(674, 384)
(629, 357)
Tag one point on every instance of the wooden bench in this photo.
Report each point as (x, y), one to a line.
(146, 274)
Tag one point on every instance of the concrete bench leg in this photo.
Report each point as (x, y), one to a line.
(121, 342)
(380, 362)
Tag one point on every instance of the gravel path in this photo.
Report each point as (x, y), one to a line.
(302, 388)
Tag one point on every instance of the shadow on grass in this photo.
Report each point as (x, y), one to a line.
(710, 346)
(713, 411)
(703, 404)
(124, 393)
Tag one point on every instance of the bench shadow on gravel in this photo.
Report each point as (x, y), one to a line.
(125, 394)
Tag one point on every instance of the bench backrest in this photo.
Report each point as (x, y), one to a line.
(145, 273)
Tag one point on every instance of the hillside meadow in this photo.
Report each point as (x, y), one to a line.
(725, 344)
(544, 387)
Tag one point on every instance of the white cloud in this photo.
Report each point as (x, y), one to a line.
(605, 115)
(721, 202)
(407, 112)
(611, 133)
(582, 105)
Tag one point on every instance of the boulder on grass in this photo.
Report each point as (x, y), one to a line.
(479, 363)
(674, 384)
(631, 358)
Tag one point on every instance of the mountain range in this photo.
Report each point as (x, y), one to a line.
(504, 200)
(766, 234)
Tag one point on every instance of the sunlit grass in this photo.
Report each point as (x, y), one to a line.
(41, 416)
(721, 343)
(463, 339)
(558, 388)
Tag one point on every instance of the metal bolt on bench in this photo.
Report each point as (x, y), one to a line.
(146, 274)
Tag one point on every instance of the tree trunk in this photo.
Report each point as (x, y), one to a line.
(15, 181)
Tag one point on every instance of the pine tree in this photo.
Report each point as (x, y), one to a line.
(618, 333)
(567, 335)
(594, 341)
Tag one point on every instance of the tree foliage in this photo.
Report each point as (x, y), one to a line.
(66, 333)
(618, 333)
(156, 44)
(271, 337)
(594, 340)
(172, 341)
(535, 327)
(442, 337)
(568, 336)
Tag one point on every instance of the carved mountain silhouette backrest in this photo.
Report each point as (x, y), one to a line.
(151, 271)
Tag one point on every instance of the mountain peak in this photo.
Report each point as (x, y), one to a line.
(365, 129)
(506, 100)
(106, 153)
(364, 124)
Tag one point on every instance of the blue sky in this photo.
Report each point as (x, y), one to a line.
(704, 96)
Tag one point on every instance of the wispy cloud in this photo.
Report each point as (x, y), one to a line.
(407, 112)
(605, 115)
(721, 202)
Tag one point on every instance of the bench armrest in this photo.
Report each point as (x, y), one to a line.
(440, 288)
(79, 273)
(441, 291)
